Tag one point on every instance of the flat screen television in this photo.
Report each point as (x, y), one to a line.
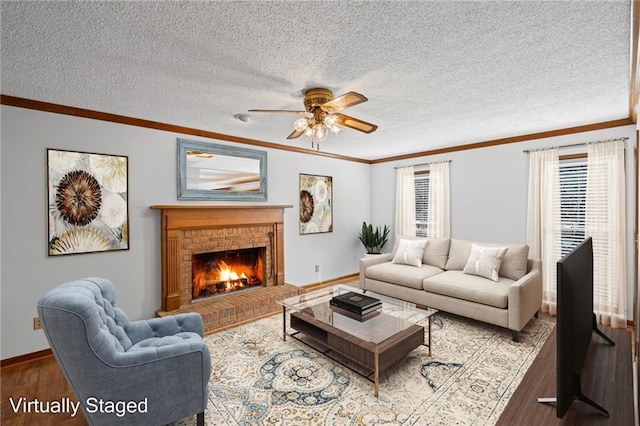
(576, 322)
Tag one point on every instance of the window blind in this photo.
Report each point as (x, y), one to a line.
(421, 180)
(573, 193)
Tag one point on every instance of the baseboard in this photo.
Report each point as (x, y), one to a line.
(338, 280)
(25, 358)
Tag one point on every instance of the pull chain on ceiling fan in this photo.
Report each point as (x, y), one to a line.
(322, 115)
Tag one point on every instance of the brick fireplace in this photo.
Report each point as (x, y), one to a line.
(191, 230)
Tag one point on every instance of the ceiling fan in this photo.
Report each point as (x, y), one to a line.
(322, 116)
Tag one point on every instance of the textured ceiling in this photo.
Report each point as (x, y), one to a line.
(437, 74)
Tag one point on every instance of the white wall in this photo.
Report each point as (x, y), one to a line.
(27, 272)
(489, 190)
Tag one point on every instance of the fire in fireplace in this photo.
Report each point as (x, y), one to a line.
(226, 271)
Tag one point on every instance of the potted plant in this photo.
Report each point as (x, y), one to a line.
(374, 239)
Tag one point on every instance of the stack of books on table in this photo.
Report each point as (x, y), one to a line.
(356, 305)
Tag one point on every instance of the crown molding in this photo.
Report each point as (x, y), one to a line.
(138, 122)
(512, 139)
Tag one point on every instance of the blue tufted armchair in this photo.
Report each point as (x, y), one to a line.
(148, 372)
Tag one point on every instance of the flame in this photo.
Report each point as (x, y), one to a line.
(225, 273)
(199, 282)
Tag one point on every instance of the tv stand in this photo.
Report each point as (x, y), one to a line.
(577, 388)
(577, 396)
(600, 333)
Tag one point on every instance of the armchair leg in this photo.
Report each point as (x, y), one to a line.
(200, 419)
(515, 336)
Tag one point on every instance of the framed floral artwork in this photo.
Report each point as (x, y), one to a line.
(316, 204)
(87, 202)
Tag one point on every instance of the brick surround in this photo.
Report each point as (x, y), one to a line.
(195, 229)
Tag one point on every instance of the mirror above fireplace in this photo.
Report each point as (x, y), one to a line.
(209, 171)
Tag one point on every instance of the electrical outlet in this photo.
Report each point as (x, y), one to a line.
(37, 325)
(317, 268)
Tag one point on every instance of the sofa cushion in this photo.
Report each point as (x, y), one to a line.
(459, 251)
(485, 261)
(410, 252)
(435, 254)
(514, 262)
(470, 287)
(401, 274)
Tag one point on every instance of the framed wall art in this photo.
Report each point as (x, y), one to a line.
(87, 202)
(209, 171)
(316, 204)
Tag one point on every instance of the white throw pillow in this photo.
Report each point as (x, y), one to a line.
(410, 252)
(485, 261)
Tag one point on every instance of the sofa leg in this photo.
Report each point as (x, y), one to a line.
(515, 336)
(200, 419)
(536, 315)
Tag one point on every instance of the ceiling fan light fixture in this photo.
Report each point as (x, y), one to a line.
(318, 126)
(301, 124)
(330, 120)
(320, 133)
(308, 132)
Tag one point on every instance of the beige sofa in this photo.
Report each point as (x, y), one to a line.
(447, 279)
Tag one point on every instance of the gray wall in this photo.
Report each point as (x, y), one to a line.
(27, 272)
(489, 190)
(488, 202)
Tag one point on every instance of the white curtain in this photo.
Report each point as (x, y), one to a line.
(405, 202)
(543, 220)
(605, 223)
(438, 211)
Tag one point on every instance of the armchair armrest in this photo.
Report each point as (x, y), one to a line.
(525, 296)
(165, 326)
(172, 381)
(367, 261)
(161, 349)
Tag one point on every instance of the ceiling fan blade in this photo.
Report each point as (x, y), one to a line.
(347, 100)
(295, 134)
(356, 124)
(287, 111)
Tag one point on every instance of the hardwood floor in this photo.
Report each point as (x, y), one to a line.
(607, 379)
(41, 379)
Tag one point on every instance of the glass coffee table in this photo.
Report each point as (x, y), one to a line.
(373, 344)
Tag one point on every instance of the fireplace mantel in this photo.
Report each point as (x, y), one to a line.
(176, 220)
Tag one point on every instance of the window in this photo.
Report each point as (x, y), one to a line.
(573, 193)
(421, 181)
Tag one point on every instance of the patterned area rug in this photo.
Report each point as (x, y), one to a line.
(259, 379)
